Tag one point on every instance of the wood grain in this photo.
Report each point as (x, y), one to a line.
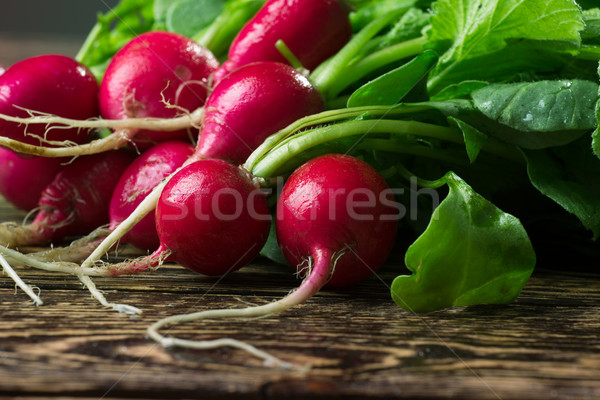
(545, 345)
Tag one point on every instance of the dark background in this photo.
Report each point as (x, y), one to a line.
(72, 18)
(33, 27)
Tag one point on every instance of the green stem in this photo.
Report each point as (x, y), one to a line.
(327, 117)
(372, 62)
(89, 42)
(325, 76)
(285, 51)
(426, 183)
(589, 52)
(292, 146)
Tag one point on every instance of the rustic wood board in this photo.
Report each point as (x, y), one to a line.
(545, 345)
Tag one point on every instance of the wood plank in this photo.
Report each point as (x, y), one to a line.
(544, 345)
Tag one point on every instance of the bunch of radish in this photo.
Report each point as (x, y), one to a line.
(199, 206)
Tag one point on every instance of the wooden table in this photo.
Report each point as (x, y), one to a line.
(545, 345)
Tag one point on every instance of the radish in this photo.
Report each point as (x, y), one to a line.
(211, 218)
(153, 90)
(154, 68)
(74, 203)
(23, 178)
(249, 105)
(313, 30)
(51, 84)
(349, 220)
(238, 118)
(146, 171)
(139, 179)
(334, 216)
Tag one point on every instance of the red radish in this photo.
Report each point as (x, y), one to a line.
(146, 171)
(52, 84)
(153, 90)
(238, 118)
(210, 218)
(334, 216)
(334, 211)
(314, 30)
(23, 178)
(76, 202)
(249, 105)
(154, 68)
(139, 179)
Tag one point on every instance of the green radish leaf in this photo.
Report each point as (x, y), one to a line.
(591, 33)
(474, 138)
(543, 106)
(569, 175)
(391, 87)
(113, 30)
(540, 114)
(218, 35)
(367, 11)
(461, 90)
(499, 39)
(188, 17)
(271, 248)
(471, 253)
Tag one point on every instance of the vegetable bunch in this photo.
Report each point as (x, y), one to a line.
(467, 127)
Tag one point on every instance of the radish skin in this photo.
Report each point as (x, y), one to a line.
(52, 84)
(240, 111)
(340, 251)
(313, 30)
(138, 180)
(23, 178)
(157, 74)
(236, 122)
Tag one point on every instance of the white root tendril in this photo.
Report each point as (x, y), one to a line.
(122, 308)
(124, 130)
(19, 282)
(251, 312)
(310, 285)
(68, 268)
(155, 124)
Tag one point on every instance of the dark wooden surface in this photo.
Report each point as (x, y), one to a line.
(545, 345)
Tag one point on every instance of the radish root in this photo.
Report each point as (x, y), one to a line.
(15, 277)
(125, 131)
(63, 267)
(75, 252)
(323, 267)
